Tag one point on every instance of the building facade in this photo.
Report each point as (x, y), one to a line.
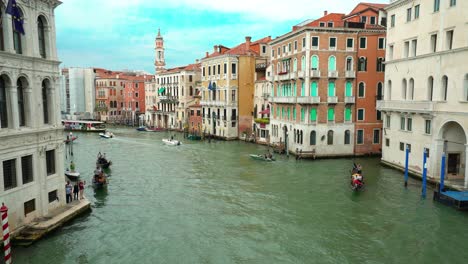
(31, 135)
(228, 77)
(262, 107)
(425, 102)
(150, 101)
(134, 105)
(78, 93)
(109, 96)
(315, 70)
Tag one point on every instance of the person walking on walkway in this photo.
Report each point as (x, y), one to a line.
(81, 186)
(75, 191)
(68, 191)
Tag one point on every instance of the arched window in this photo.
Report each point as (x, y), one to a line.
(349, 63)
(17, 27)
(380, 65)
(313, 136)
(330, 137)
(361, 90)
(444, 87)
(45, 103)
(278, 68)
(21, 110)
(331, 89)
(362, 64)
(303, 63)
(191, 90)
(430, 88)
(379, 91)
(2, 37)
(3, 104)
(295, 65)
(349, 89)
(42, 36)
(301, 137)
(411, 89)
(255, 111)
(295, 136)
(389, 91)
(314, 62)
(403, 89)
(466, 87)
(347, 137)
(313, 89)
(332, 63)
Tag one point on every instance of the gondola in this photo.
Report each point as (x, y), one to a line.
(261, 157)
(100, 181)
(103, 163)
(357, 180)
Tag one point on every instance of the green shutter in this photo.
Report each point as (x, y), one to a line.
(331, 114)
(294, 113)
(348, 114)
(349, 87)
(303, 89)
(313, 114)
(331, 89)
(302, 114)
(314, 62)
(289, 113)
(313, 89)
(277, 111)
(332, 63)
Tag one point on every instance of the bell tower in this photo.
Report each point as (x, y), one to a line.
(159, 61)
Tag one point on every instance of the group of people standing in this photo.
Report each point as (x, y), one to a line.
(76, 190)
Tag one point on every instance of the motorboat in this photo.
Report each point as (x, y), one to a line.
(171, 142)
(155, 129)
(72, 175)
(141, 128)
(262, 157)
(106, 135)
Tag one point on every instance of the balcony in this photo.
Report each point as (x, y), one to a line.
(314, 74)
(417, 107)
(332, 74)
(350, 74)
(332, 99)
(350, 100)
(265, 96)
(234, 76)
(301, 74)
(168, 99)
(284, 99)
(284, 77)
(308, 100)
(292, 75)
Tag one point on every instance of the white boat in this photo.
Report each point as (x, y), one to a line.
(171, 142)
(72, 175)
(106, 135)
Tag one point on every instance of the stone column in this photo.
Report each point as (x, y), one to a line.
(8, 33)
(436, 152)
(28, 108)
(13, 99)
(51, 106)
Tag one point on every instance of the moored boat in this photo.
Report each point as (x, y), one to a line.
(262, 157)
(72, 175)
(194, 137)
(141, 128)
(171, 142)
(155, 129)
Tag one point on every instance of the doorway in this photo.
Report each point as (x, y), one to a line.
(453, 163)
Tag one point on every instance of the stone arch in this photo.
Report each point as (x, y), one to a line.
(22, 86)
(454, 138)
(5, 112)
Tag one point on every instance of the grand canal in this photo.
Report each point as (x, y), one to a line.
(210, 203)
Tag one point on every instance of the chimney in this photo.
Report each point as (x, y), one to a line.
(207, 54)
(325, 13)
(215, 48)
(196, 61)
(247, 42)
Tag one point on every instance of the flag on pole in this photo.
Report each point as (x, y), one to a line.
(16, 16)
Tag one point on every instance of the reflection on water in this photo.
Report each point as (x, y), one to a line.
(100, 197)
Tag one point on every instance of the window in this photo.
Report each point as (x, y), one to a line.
(45, 104)
(347, 137)
(430, 88)
(373, 20)
(219, 69)
(381, 43)
(9, 174)
(453, 2)
(17, 38)
(427, 128)
(314, 62)
(408, 146)
(360, 114)
(332, 43)
(332, 63)
(331, 89)
(402, 146)
(449, 36)
(53, 196)
(436, 5)
(302, 114)
(322, 24)
(380, 65)
(434, 42)
(392, 21)
(390, 52)
(349, 64)
(376, 139)
(295, 45)
(361, 90)
(362, 66)
(27, 169)
(409, 124)
(313, 114)
(233, 68)
(416, 11)
(315, 42)
(360, 137)
(313, 136)
(289, 47)
(402, 123)
(406, 49)
(362, 42)
(348, 114)
(349, 43)
(379, 91)
(403, 89)
(411, 89)
(330, 137)
(29, 207)
(426, 150)
(330, 24)
(303, 42)
(21, 110)
(272, 54)
(50, 162)
(387, 121)
(414, 45)
(331, 114)
(364, 19)
(408, 14)
(41, 35)
(444, 87)
(387, 142)
(264, 49)
(348, 89)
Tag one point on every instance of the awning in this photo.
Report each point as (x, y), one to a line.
(161, 90)
(265, 112)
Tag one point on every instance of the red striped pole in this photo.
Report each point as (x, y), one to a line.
(6, 234)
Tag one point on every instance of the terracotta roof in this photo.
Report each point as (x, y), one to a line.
(336, 18)
(364, 6)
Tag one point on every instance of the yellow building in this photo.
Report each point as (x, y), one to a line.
(228, 78)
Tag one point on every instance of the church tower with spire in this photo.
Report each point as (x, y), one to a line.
(159, 62)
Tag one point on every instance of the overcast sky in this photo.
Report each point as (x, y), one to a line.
(119, 34)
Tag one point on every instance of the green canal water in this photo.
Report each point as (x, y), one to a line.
(210, 203)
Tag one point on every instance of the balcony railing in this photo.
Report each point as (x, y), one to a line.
(301, 74)
(308, 100)
(314, 73)
(423, 107)
(332, 99)
(292, 75)
(350, 99)
(332, 74)
(350, 74)
(284, 99)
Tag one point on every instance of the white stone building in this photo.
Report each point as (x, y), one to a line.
(150, 101)
(78, 93)
(262, 106)
(426, 95)
(31, 140)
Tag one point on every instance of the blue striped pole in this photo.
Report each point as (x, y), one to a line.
(406, 166)
(442, 174)
(424, 178)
